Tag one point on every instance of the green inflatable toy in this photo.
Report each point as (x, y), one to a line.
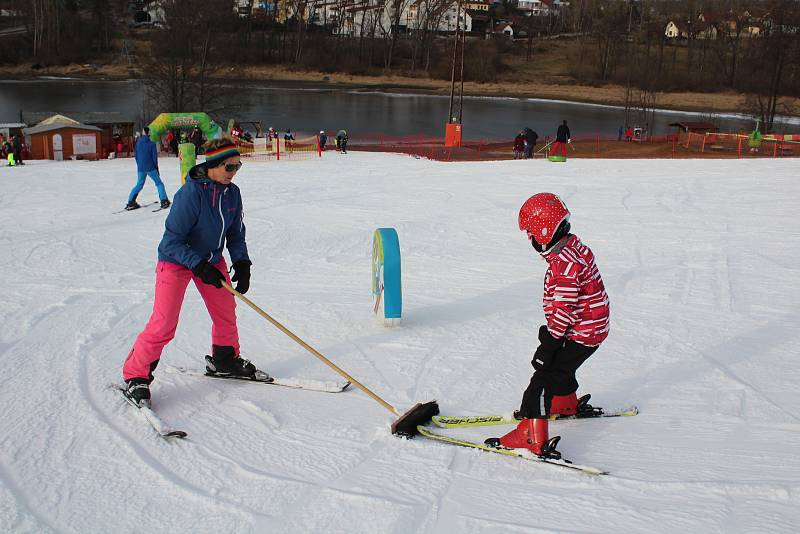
(183, 121)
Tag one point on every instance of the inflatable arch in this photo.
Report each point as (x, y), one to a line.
(183, 121)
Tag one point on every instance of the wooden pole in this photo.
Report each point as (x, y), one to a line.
(310, 349)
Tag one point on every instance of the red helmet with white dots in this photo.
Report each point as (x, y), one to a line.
(546, 220)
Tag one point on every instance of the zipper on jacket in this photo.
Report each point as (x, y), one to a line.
(221, 219)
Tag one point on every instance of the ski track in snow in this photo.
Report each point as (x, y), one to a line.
(699, 258)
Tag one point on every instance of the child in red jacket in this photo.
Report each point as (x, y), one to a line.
(519, 146)
(577, 312)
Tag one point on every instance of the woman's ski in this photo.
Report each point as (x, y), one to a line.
(328, 386)
(151, 417)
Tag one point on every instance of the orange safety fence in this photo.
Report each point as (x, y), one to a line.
(740, 145)
(583, 146)
(683, 145)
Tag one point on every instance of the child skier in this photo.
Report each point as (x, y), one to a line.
(519, 146)
(576, 309)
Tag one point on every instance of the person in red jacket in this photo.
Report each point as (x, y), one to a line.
(519, 146)
(576, 310)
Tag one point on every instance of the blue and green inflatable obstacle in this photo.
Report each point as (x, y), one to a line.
(386, 288)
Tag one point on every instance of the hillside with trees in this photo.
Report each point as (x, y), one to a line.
(648, 47)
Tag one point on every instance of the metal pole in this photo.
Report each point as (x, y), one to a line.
(453, 76)
(310, 349)
(463, 42)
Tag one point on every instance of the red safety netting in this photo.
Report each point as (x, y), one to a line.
(691, 145)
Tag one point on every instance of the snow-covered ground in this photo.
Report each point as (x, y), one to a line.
(700, 260)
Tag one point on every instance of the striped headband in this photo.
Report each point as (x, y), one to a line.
(220, 154)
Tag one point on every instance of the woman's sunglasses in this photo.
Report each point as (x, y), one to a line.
(233, 167)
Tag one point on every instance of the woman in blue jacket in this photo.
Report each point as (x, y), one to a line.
(205, 216)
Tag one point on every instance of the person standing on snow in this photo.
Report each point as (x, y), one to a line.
(519, 146)
(146, 155)
(629, 134)
(17, 147)
(576, 310)
(341, 141)
(207, 214)
(288, 139)
(563, 137)
(530, 142)
(323, 138)
(196, 138)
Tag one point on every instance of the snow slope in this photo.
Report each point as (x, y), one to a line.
(700, 259)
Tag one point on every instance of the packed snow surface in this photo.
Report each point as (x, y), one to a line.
(701, 260)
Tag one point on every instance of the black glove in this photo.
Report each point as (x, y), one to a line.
(208, 274)
(548, 347)
(241, 275)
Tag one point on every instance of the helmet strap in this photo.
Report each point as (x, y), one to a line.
(562, 230)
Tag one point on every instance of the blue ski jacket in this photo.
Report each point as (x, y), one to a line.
(146, 155)
(204, 217)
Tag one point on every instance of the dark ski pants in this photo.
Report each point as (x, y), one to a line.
(529, 150)
(558, 378)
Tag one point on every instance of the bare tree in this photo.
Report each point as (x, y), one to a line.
(775, 52)
(610, 33)
(730, 35)
(298, 14)
(185, 56)
(394, 11)
(428, 18)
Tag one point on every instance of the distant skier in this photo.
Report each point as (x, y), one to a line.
(196, 138)
(8, 150)
(288, 139)
(146, 155)
(563, 138)
(18, 145)
(530, 142)
(323, 139)
(519, 146)
(207, 214)
(576, 310)
(341, 141)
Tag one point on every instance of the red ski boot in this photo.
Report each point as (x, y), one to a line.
(531, 434)
(564, 404)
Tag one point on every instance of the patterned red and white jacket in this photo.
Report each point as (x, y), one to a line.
(575, 300)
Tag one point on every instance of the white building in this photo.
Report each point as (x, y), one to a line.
(418, 9)
(155, 11)
(535, 8)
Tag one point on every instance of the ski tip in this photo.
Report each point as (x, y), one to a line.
(594, 471)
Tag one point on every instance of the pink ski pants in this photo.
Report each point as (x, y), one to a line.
(171, 282)
(556, 146)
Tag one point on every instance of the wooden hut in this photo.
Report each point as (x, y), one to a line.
(60, 137)
(117, 128)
